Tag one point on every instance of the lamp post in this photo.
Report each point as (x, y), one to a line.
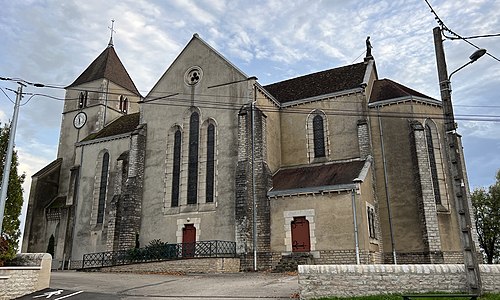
(8, 155)
(455, 155)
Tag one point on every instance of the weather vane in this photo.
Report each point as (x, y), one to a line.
(110, 44)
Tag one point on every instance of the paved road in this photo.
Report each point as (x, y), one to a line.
(94, 285)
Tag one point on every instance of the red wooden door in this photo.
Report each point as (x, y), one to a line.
(300, 235)
(188, 240)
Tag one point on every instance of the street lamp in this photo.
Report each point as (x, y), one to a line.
(473, 57)
(455, 156)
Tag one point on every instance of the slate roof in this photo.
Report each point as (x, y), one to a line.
(385, 89)
(317, 176)
(320, 83)
(107, 65)
(124, 124)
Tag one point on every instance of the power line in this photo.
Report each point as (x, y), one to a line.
(179, 101)
(476, 36)
(7, 96)
(185, 100)
(169, 94)
(445, 28)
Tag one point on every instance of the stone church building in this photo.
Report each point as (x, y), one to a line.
(338, 164)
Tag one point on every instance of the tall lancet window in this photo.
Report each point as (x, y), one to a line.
(210, 163)
(194, 124)
(176, 169)
(432, 162)
(82, 99)
(103, 188)
(318, 136)
(123, 104)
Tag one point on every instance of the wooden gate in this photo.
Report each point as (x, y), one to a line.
(300, 235)
(188, 240)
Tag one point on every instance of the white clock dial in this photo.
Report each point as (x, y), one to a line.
(80, 120)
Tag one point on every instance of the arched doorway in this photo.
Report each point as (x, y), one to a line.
(301, 241)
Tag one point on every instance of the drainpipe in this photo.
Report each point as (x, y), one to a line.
(254, 200)
(386, 184)
(354, 220)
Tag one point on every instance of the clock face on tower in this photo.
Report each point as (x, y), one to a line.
(80, 120)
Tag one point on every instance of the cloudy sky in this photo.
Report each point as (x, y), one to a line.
(52, 42)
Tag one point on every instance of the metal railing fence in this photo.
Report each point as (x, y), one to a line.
(160, 251)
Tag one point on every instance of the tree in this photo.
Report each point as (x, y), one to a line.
(486, 206)
(10, 226)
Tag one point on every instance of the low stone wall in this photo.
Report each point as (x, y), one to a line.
(195, 265)
(317, 281)
(490, 278)
(32, 275)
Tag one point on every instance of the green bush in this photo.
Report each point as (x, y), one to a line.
(7, 251)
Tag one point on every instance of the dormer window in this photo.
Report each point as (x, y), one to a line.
(82, 99)
(123, 104)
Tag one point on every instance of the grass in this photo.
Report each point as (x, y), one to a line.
(398, 297)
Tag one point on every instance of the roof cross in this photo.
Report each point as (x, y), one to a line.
(110, 44)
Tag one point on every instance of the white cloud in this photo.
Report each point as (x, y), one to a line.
(3, 117)
(54, 41)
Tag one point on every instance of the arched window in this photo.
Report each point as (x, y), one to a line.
(176, 169)
(120, 107)
(432, 162)
(210, 163)
(103, 188)
(194, 124)
(123, 107)
(82, 99)
(318, 136)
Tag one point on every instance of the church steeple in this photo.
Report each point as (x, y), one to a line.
(107, 65)
(110, 44)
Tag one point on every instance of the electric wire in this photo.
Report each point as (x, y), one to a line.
(7, 96)
(476, 36)
(184, 100)
(235, 106)
(446, 28)
(169, 94)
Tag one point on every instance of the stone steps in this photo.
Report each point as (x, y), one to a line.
(290, 262)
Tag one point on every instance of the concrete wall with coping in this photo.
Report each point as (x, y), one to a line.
(195, 265)
(317, 281)
(32, 276)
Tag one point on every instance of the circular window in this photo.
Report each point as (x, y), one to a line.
(193, 75)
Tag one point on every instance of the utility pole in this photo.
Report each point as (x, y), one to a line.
(8, 155)
(455, 154)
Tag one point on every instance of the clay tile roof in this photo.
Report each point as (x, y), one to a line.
(107, 65)
(385, 89)
(124, 124)
(320, 83)
(317, 176)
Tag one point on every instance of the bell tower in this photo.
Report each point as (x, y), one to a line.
(101, 94)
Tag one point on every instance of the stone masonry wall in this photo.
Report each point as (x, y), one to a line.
(361, 280)
(364, 139)
(17, 281)
(130, 201)
(196, 265)
(427, 205)
(244, 192)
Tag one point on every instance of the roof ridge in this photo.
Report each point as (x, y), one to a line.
(313, 73)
